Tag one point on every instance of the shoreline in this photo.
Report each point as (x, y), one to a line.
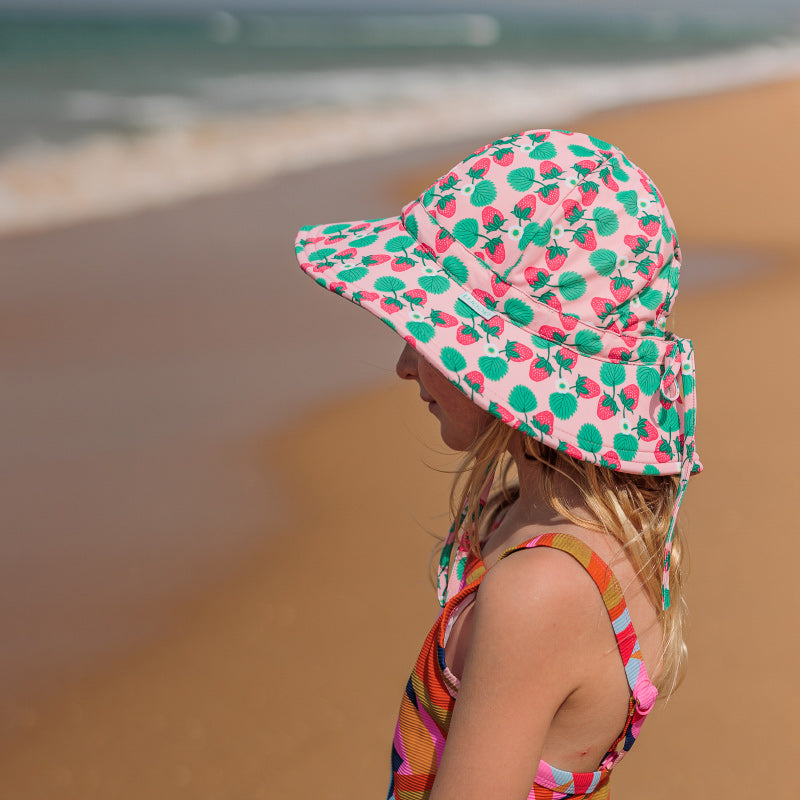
(228, 698)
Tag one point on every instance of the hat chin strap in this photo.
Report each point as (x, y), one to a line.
(682, 353)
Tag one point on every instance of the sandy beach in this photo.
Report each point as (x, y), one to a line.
(282, 539)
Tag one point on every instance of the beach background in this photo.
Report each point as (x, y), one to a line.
(218, 505)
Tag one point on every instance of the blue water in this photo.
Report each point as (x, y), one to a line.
(169, 106)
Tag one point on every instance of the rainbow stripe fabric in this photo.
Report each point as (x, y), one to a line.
(431, 692)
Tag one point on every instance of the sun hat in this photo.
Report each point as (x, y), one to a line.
(537, 275)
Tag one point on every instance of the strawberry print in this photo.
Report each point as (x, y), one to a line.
(537, 274)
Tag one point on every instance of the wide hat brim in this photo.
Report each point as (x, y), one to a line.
(571, 392)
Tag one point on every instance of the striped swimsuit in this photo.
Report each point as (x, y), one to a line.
(431, 691)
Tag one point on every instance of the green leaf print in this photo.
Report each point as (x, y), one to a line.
(630, 202)
(668, 419)
(352, 274)
(617, 171)
(647, 352)
(411, 225)
(483, 193)
(580, 151)
(435, 284)
(321, 255)
(588, 342)
(612, 374)
(421, 331)
(456, 268)
(648, 379)
(522, 399)
(338, 228)
(563, 404)
(600, 143)
(606, 221)
(522, 178)
(518, 312)
(466, 231)
(571, 285)
(492, 367)
(397, 244)
(452, 359)
(543, 151)
(626, 446)
(389, 283)
(688, 384)
(650, 469)
(603, 261)
(650, 298)
(536, 233)
(589, 438)
(430, 193)
(689, 422)
(364, 241)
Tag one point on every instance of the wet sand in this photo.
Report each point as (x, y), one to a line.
(169, 435)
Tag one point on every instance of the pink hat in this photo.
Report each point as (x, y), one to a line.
(537, 275)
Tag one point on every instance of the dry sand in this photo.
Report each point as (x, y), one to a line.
(283, 678)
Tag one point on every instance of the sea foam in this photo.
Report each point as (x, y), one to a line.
(333, 116)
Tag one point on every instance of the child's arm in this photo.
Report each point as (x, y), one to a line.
(525, 653)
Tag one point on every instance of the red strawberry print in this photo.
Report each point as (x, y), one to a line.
(493, 326)
(540, 370)
(337, 286)
(357, 228)
(446, 206)
(442, 319)
(402, 263)
(484, 298)
(621, 289)
(387, 226)
(536, 277)
(335, 238)
(602, 306)
(479, 168)
(416, 297)
(588, 192)
(503, 157)
(586, 387)
(630, 396)
(646, 430)
(365, 295)
(585, 166)
(545, 420)
(474, 380)
(650, 224)
(551, 333)
(504, 414)
(568, 357)
(548, 169)
(390, 305)
(411, 340)
(638, 244)
(515, 351)
(371, 260)
(608, 180)
(631, 323)
(585, 238)
(443, 240)
(569, 321)
(524, 208)
(619, 355)
(549, 194)
(492, 219)
(448, 181)
(613, 459)
(466, 335)
(496, 252)
(553, 301)
(319, 266)
(606, 407)
(499, 286)
(424, 251)
(573, 451)
(572, 210)
(663, 452)
(555, 256)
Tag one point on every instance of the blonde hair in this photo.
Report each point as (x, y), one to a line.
(634, 509)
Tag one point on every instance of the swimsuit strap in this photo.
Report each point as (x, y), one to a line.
(643, 692)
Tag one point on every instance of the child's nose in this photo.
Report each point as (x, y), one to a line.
(406, 367)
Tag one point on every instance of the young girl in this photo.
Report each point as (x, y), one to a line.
(532, 284)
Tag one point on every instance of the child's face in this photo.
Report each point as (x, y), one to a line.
(460, 420)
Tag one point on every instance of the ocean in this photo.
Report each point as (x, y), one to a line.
(104, 114)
